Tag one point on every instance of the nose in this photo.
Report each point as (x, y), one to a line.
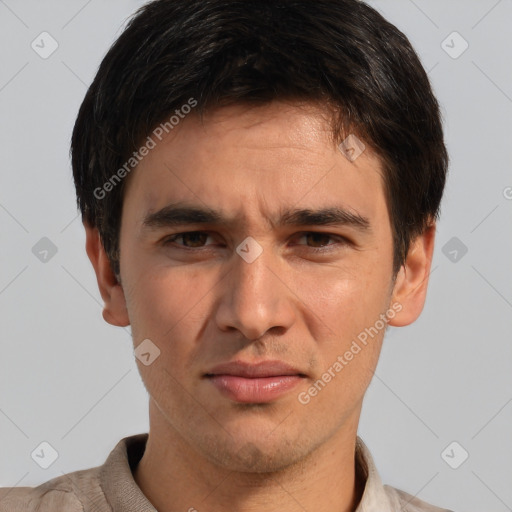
(255, 297)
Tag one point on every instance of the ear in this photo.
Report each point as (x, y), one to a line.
(410, 288)
(114, 311)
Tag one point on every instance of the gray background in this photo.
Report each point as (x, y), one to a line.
(70, 379)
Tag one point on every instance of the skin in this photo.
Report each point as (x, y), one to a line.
(292, 304)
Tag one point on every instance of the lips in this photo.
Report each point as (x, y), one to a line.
(255, 370)
(261, 382)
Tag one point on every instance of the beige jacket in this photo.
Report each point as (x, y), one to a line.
(111, 487)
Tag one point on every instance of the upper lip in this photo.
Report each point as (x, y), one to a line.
(255, 370)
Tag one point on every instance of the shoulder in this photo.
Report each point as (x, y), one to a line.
(406, 502)
(73, 492)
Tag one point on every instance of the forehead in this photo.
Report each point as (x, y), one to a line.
(255, 158)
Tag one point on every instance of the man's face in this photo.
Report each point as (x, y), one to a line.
(302, 301)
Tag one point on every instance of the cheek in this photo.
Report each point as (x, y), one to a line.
(349, 307)
(346, 298)
(165, 309)
(169, 306)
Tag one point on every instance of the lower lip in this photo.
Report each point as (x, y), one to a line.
(255, 390)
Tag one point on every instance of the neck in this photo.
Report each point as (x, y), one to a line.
(175, 478)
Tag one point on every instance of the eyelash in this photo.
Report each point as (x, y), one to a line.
(341, 240)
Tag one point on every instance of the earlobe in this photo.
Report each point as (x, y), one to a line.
(410, 289)
(112, 293)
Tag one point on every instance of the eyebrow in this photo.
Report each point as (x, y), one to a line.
(177, 214)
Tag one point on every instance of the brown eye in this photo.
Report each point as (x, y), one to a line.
(191, 240)
(318, 239)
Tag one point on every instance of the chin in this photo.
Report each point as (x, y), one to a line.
(256, 453)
